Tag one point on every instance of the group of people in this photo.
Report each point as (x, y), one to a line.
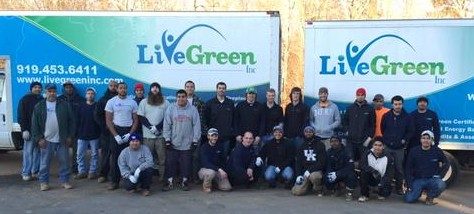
(226, 144)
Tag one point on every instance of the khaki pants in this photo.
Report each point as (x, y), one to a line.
(209, 175)
(157, 149)
(314, 179)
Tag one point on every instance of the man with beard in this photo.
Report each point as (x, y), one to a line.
(122, 120)
(151, 113)
(31, 152)
(72, 97)
(99, 117)
(324, 117)
(397, 129)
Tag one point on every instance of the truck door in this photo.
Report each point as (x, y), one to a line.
(5, 127)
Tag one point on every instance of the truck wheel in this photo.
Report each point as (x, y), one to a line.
(3, 151)
(451, 174)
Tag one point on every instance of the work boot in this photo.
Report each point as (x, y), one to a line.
(44, 186)
(185, 186)
(112, 186)
(80, 176)
(167, 186)
(91, 176)
(102, 179)
(146, 192)
(349, 195)
(430, 201)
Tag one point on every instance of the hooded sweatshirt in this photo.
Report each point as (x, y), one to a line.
(324, 119)
(382, 164)
(338, 161)
(278, 153)
(311, 156)
(182, 126)
(25, 110)
(129, 160)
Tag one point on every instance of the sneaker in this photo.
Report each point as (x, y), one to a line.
(27, 178)
(167, 186)
(349, 196)
(67, 185)
(80, 176)
(112, 186)
(319, 193)
(185, 186)
(381, 198)
(44, 186)
(363, 199)
(91, 176)
(101, 180)
(430, 201)
(146, 192)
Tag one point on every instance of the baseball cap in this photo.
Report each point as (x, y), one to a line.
(360, 91)
(139, 85)
(378, 97)
(212, 131)
(429, 133)
(250, 90)
(50, 86)
(134, 137)
(323, 90)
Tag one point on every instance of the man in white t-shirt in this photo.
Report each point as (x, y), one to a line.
(151, 112)
(122, 120)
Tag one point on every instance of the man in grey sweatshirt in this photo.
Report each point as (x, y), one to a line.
(135, 163)
(324, 117)
(182, 131)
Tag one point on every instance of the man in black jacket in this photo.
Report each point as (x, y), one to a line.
(423, 170)
(340, 168)
(212, 164)
(397, 129)
(377, 169)
(424, 119)
(273, 116)
(248, 116)
(99, 117)
(241, 164)
(359, 121)
(31, 152)
(219, 113)
(72, 97)
(296, 117)
(278, 155)
(310, 163)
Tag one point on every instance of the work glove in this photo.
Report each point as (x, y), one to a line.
(332, 177)
(299, 180)
(259, 161)
(154, 130)
(132, 179)
(168, 145)
(137, 173)
(194, 146)
(118, 139)
(306, 174)
(25, 135)
(126, 137)
(277, 170)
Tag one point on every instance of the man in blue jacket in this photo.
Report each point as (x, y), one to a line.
(397, 129)
(423, 170)
(241, 162)
(212, 164)
(424, 119)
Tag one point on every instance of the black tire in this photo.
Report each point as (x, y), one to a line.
(3, 151)
(451, 174)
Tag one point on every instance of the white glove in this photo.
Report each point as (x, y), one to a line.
(153, 130)
(26, 135)
(118, 139)
(299, 180)
(125, 138)
(306, 174)
(277, 170)
(259, 161)
(367, 141)
(137, 173)
(132, 179)
(332, 177)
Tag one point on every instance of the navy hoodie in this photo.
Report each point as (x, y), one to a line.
(338, 161)
(396, 128)
(424, 163)
(211, 157)
(240, 159)
(311, 156)
(87, 127)
(280, 154)
(25, 110)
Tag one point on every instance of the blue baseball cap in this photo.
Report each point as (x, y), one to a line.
(134, 137)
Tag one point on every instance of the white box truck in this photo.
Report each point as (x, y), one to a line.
(92, 48)
(412, 58)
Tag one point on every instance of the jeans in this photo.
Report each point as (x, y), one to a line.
(433, 186)
(271, 175)
(144, 180)
(31, 158)
(82, 146)
(62, 153)
(178, 161)
(399, 155)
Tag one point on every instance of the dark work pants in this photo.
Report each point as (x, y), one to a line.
(178, 161)
(115, 150)
(367, 179)
(144, 180)
(104, 155)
